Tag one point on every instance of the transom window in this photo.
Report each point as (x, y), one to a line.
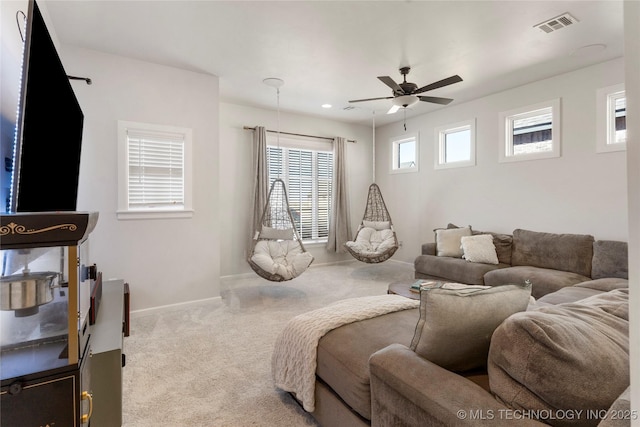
(154, 170)
(308, 175)
(531, 132)
(404, 156)
(456, 145)
(612, 119)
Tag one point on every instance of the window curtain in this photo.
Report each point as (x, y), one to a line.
(261, 179)
(339, 223)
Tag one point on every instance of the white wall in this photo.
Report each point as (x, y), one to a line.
(236, 177)
(165, 261)
(580, 192)
(632, 87)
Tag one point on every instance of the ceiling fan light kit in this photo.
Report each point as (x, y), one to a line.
(405, 93)
(405, 100)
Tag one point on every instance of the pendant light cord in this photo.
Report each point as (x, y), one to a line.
(373, 166)
(278, 133)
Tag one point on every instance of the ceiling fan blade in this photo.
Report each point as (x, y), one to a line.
(392, 84)
(371, 99)
(435, 100)
(393, 109)
(444, 82)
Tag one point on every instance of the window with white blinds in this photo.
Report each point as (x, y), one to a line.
(308, 175)
(155, 170)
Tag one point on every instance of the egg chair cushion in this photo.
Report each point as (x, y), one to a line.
(370, 241)
(285, 258)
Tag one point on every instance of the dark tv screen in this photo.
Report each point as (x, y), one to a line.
(49, 128)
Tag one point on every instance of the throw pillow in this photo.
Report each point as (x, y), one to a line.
(377, 225)
(276, 234)
(448, 241)
(479, 248)
(456, 322)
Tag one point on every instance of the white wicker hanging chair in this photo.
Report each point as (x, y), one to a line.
(277, 253)
(376, 240)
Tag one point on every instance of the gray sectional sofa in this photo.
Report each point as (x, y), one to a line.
(563, 361)
(550, 261)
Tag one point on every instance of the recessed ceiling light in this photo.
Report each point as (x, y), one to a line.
(326, 105)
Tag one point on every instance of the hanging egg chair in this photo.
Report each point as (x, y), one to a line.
(277, 253)
(376, 240)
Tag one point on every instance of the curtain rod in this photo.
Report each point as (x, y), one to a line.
(298, 134)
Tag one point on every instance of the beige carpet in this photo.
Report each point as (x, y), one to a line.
(209, 363)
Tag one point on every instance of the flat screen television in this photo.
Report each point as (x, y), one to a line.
(48, 137)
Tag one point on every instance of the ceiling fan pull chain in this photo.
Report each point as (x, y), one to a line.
(405, 119)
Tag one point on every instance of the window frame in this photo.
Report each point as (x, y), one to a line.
(395, 143)
(506, 131)
(441, 133)
(605, 118)
(124, 212)
(315, 147)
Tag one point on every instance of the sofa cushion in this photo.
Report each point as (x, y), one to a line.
(551, 358)
(544, 280)
(343, 354)
(565, 295)
(456, 321)
(452, 269)
(565, 252)
(610, 259)
(448, 241)
(605, 285)
(479, 248)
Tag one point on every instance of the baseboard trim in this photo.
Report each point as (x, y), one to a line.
(169, 307)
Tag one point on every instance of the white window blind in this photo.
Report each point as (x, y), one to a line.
(308, 175)
(156, 170)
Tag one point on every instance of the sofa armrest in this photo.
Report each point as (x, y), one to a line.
(429, 248)
(409, 390)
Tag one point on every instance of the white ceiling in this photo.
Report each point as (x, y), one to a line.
(333, 51)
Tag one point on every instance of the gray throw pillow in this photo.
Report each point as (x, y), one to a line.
(457, 321)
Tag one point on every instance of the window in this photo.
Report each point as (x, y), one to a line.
(154, 171)
(611, 119)
(308, 175)
(404, 157)
(531, 132)
(456, 145)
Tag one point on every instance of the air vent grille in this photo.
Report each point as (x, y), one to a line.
(557, 23)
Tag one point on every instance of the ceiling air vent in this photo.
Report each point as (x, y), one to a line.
(557, 23)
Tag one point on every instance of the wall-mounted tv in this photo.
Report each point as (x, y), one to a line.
(48, 137)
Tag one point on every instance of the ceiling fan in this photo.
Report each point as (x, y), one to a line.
(405, 94)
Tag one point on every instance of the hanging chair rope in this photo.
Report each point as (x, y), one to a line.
(278, 225)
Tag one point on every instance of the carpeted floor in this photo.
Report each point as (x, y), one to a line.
(209, 363)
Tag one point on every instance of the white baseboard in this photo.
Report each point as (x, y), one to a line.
(170, 307)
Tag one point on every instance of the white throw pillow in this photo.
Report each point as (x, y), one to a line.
(448, 241)
(377, 225)
(479, 248)
(276, 233)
